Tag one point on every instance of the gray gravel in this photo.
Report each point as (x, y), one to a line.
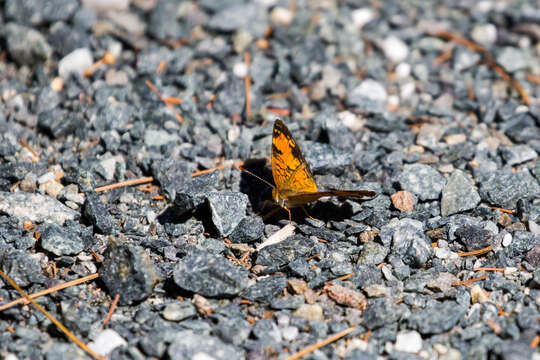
(376, 100)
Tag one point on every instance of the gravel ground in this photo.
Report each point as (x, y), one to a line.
(384, 96)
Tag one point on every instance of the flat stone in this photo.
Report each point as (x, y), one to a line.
(474, 237)
(309, 312)
(128, 271)
(209, 275)
(22, 267)
(35, 207)
(436, 318)
(266, 289)
(228, 209)
(250, 229)
(189, 345)
(517, 154)
(459, 194)
(286, 251)
(26, 45)
(406, 236)
(61, 241)
(422, 180)
(179, 311)
(505, 188)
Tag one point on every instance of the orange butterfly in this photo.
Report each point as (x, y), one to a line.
(295, 185)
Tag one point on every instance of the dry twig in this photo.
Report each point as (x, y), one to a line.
(124, 183)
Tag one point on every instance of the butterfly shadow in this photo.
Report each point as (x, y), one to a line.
(256, 189)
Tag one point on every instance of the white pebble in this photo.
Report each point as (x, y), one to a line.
(151, 216)
(107, 341)
(281, 16)
(507, 240)
(351, 121)
(289, 333)
(407, 90)
(49, 176)
(395, 49)
(106, 5)
(362, 16)
(408, 341)
(202, 356)
(240, 70)
(534, 227)
(393, 100)
(484, 34)
(403, 70)
(75, 62)
(370, 89)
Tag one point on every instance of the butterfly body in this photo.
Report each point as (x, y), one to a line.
(295, 184)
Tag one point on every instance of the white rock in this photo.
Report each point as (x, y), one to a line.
(361, 17)
(107, 341)
(485, 34)
(240, 70)
(202, 356)
(393, 100)
(281, 16)
(534, 227)
(106, 5)
(408, 341)
(452, 354)
(289, 333)
(75, 62)
(48, 176)
(442, 253)
(351, 121)
(407, 90)
(507, 240)
(370, 89)
(395, 49)
(403, 70)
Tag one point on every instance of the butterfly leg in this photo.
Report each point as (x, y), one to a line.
(262, 208)
(309, 216)
(272, 212)
(289, 211)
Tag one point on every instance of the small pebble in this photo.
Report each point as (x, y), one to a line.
(75, 62)
(395, 49)
(403, 200)
(281, 16)
(106, 341)
(309, 312)
(362, 16)
(485, 34)
(408, 341)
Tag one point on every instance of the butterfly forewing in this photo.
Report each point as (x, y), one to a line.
(289, 168)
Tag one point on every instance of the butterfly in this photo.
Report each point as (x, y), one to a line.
(295, 184)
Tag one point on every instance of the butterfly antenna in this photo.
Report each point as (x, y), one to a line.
(257, 176)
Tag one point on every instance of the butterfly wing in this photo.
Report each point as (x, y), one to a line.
(289, 168)
(304, 198)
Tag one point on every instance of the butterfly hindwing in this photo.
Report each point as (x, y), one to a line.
(304, 198)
